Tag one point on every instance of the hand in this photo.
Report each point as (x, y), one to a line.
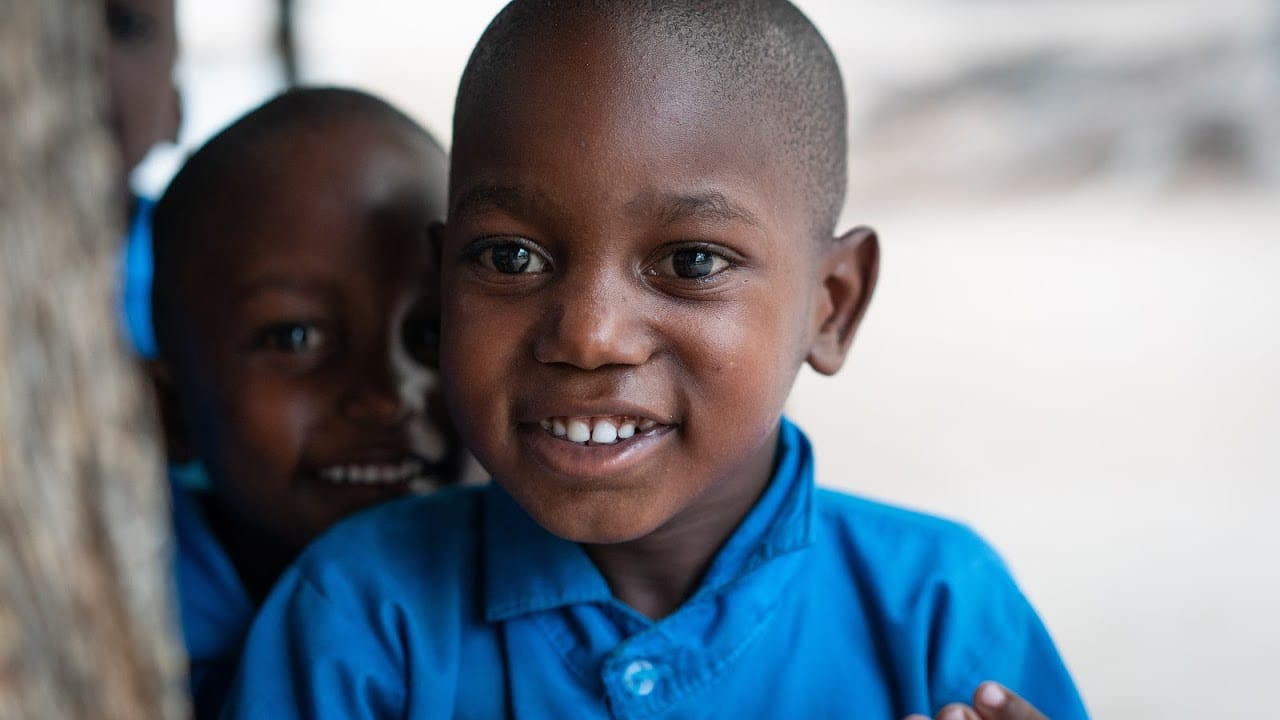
(991, 701)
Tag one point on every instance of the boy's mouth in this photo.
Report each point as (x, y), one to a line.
(382, 472)
(596, 430)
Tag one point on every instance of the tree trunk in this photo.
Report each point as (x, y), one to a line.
(86, 621)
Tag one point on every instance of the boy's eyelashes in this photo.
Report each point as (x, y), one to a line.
(517, 256)
(690, 263)
(508, 256)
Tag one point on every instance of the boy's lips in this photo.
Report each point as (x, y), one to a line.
(593, 445)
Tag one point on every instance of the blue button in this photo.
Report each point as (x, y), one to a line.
(640, 677)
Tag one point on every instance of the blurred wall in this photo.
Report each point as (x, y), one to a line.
(1074, 343)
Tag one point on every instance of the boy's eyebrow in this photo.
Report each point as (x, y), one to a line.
(277, 282)
(499, 197)
(670, 208)
(711, 205)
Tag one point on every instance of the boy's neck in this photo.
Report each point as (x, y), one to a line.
(655, 574)
(258, 560)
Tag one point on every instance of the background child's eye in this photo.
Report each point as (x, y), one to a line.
(512, 258)
(291, 338)
(691, 264)
(421, 337)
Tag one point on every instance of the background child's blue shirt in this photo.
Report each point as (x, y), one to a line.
(819, 605)
(136, 269)
(215, 608)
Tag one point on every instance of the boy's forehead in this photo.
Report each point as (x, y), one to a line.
(285, 195)
(643, 104)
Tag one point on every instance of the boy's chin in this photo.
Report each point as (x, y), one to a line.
(593, 517)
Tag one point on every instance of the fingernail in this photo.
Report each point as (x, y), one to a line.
(992, 695)
(953, 714)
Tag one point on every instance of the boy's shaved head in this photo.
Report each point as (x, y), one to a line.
(224, 176)
(759, 53)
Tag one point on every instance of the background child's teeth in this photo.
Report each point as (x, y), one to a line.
(645, 425)
(604, 433)
(545, 423)
(558, 429)
(579, 431)
(626, 430)
(333, 474)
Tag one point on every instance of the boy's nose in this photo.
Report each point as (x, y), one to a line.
(594, 323)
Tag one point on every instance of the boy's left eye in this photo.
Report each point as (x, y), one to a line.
(510, 257)
(690, 264)
(291, 337)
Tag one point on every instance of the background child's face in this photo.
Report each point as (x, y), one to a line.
(141, 48)
(622, 255)
(306, 376)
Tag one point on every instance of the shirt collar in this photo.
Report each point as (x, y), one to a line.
(528, 570)
(214, 606)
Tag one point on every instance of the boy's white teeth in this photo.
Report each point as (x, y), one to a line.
(579, 430)
(373, 473)
(604, 433)
(596, 430)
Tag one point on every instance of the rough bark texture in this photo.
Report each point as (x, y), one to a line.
(85, 612)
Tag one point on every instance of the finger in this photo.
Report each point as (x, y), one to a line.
(957, 711)
(994, 701)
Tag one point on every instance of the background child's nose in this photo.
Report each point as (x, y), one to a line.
(385, 391)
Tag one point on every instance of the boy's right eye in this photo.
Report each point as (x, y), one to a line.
(510, 256)
(291, 338)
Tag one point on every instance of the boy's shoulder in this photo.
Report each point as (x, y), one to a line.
(414, 534)
(891, 541)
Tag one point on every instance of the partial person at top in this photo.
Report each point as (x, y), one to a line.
(144, 110)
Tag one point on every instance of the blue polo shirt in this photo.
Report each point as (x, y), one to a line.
(214, 605)
(136, 269)
(819, 605)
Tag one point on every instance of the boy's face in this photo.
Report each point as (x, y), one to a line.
(141, 48)
(629, 261)
(306, 368)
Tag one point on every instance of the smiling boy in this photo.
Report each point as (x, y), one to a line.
(639, 257)
(295, 309)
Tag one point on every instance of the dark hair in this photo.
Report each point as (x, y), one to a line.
(760, 53)
(182, 219)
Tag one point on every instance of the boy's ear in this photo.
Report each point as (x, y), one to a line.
(848, 277)
(177, 439)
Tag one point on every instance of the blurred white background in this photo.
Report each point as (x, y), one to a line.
(1075, 341)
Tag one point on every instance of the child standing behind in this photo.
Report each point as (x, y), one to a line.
(296, 314)
(640, 254)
